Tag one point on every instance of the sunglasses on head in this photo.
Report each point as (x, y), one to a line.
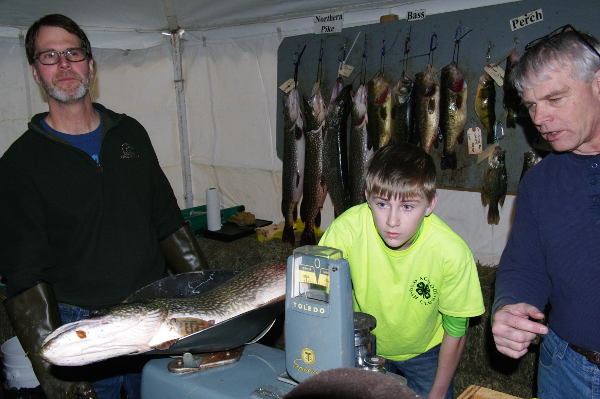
(558, 31)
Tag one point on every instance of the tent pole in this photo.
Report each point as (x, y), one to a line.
(182, 118)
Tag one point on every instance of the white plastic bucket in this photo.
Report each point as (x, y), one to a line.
(17, 367)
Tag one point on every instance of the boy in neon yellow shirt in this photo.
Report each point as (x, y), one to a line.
(409, 270)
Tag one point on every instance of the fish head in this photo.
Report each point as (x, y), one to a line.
(292, 104)
(125, 331)
(496, 160)
(359, 103)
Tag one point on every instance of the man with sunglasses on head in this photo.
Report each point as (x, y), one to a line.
(551, 262)
(88, 216)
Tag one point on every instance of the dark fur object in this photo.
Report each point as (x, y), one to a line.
(351, 383)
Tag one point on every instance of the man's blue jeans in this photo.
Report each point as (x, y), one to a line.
(420, 372)
(115, 373)
(564, 373)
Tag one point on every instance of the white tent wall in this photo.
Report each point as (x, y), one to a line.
(230, 87)
(140, 83)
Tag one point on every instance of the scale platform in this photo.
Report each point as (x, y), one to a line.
(255, 376)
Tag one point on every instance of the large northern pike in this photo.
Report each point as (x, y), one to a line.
(359, 147)
(427, 107)
(335, 146)
(453, 112)
(315, 187)
(138, 327)
(292, 177)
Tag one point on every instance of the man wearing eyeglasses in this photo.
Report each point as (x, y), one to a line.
(88, 216)
(551, 262)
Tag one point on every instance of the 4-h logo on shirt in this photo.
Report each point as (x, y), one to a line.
(423, 290)
(128, 152)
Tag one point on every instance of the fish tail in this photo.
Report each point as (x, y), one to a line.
(510, 119)
(308, 236)
(493, 214)
(449, 161)
(288, 234)
(490, 135)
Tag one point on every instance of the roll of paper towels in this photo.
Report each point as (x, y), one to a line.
(213, 209)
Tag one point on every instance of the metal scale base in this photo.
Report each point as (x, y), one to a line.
(254, 376)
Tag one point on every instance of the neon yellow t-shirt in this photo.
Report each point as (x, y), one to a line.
(406, 291)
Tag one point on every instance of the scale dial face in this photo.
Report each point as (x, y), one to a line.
(312, 272)
(312, 278)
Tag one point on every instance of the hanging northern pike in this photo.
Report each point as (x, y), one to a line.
(453, 112)
(511, 99)
(485, 105)
(402, 93)
(315, 188)
(494, 184)
(379, 100)
(335, 146)
(292, 177)
(427, 108)
(138, 327)
(359, 151)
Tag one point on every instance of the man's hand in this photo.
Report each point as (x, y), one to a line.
(514, 331)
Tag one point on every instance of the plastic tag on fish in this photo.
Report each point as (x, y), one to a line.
(346, 70)
(487, 153)
(496, 72)
(474, 140)
(287, 86)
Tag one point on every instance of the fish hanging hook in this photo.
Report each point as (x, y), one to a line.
(342, 57)
(297, 57)
(432, 46)
(406, 50)
(363, 63)
(488, 54)
(382, 59)
(320, 65)
(458, 36)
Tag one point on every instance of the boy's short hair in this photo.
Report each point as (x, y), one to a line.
(401, 171)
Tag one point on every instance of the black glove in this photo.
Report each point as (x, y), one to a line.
(182, 251)
(33, 315)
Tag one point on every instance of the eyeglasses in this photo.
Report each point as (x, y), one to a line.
(52, 57)
(558, 31)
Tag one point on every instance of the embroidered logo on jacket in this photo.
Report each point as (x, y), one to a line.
(423, 290)
(128, 152)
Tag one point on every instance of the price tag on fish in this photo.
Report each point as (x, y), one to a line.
(346, 70)
(287, 86)
(474, 140)
(496, 72)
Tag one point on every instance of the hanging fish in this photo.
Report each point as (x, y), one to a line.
(315, 188)
(494, 184)
(511, 100)
(427, 107)
(379, 97)
(292, 177)
(359, 151)
(335, 146)
(485, 103)
(401, 109)
(530, 159)
(453, 112)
